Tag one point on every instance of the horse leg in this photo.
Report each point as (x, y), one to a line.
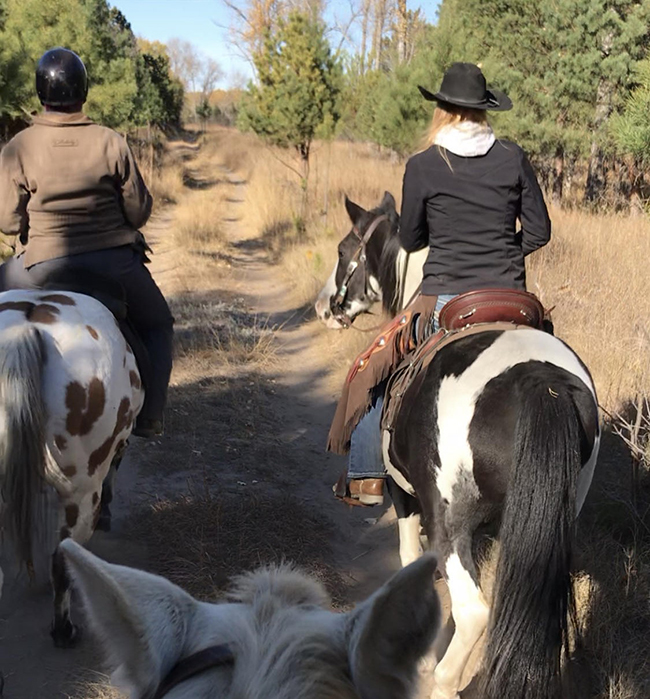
(108, 490)
(470, 612)
(80, 517)
(407, 509)
(63, 632)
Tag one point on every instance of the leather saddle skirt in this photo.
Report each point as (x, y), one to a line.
(111, 294)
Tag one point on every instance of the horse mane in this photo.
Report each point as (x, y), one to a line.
(307, 664)
(389, 271)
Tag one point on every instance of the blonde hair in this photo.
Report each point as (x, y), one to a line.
(448, 115)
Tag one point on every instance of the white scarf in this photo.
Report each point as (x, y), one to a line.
(466, 138)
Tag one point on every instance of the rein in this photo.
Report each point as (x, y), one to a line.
(358, 257)
(195, 664)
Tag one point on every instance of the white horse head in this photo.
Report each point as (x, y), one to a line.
(275, 640)
(69, 394)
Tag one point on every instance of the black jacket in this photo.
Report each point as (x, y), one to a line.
(468, 216)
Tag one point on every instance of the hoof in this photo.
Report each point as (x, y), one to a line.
(439, 693)
(104, 519)
(65, 635)
(103, 523)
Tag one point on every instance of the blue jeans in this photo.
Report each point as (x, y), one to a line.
(366, 459)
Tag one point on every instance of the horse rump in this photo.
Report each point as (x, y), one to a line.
(533, 595)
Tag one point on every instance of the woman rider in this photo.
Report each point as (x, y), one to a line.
(462, 196)
(72, 193)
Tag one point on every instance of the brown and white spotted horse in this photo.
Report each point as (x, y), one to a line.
(275, 639)
(69, 394)
(500, 437)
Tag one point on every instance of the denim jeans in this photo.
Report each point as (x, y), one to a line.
(366, 459)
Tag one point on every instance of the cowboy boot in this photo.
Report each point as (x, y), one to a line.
(368, 491)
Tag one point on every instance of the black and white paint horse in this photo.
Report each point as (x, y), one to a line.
(276, 639)
(500, 436)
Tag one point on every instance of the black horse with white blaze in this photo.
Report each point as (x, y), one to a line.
(499, 436)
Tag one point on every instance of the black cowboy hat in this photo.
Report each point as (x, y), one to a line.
(464, 85)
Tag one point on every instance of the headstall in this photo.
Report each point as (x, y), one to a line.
(359, 257)
(195, 664)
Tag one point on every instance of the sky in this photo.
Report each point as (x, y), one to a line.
(204, 23)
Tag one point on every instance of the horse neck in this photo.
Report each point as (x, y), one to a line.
(398, 276)
(409, 272)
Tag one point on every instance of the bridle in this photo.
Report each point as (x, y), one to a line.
(358, 257)
(195, 664)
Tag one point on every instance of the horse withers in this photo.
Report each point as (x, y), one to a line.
(70, 391)
(498, 437)
(274, 640)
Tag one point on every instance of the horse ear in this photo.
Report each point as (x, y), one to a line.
(388, 203)
(397, 627)
(138, 617)
(355, 212)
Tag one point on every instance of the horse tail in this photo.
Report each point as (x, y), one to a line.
(22, 433)
(533, 595)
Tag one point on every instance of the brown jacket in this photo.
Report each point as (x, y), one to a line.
(67, 186)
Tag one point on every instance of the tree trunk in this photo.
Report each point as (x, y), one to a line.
(378, 32)
(327, 183)
(151, 153)
(596, 174)
(365, 21)
(636, 186)
(304, 149)
(402, 30)
(558, 177)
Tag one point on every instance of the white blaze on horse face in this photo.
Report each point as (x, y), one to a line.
(457, 396)
(324, 302)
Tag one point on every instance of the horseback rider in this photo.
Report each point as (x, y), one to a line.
(71, 191)
(462, 197)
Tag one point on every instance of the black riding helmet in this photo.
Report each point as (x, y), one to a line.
(61, 78)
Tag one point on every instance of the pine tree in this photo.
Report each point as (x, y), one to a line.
(296, 97)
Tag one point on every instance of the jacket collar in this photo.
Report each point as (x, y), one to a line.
(62, 119)
(467, 139)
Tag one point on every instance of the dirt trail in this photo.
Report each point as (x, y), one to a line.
(302, 406)
(274, 458)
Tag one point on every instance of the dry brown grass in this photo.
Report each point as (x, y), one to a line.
(594, 273)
